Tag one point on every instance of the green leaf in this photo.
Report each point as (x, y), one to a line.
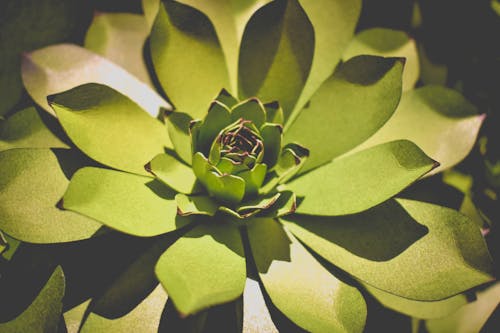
(276, 54)
(272, 135)
(472, 317)
(348, 108)
(274, 113)
(3, 243)
(195, 205)
(286, 204)
(252, 207)
(173, 173)
(433, 117)
(74, 317)
(109, 127)
(417, 309)
(178, 125)
(251, 109)
(217, 118)
(229, 18)
(150, 9)
(333, 23)
(357, 182)
(407, 248)
(292, 159)
(205, 267)
(32, 181)
(129, 203)
(253, 179)
(388, 43)
(25, 129)
(299, 286)
(226, 99)
(187, 58)
(120, 37)
(8, 246)
(61, 67)
(226, 188)
(43, 315)
(143, 318)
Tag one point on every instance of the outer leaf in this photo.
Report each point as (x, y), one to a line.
(178, 125)
(299, 286)
(276, 54)
(43, 315)
(272, 135)
(355, 183)
(348, 108)
(109, 127)
(256, 316)
(187, 58)
(433, 117)
(229, 18)
(150, 9)
(144, 318)
(333, 23)
(204, 268)
(61, 67)
(195, 205)
(173, 173)
(128, 203)
(227, 188)
(384, 246)
(74, 317)
(472, 317)
(25, 129)
(388, 43)
(286, 204)
(120, 38)
(32, 182)
(417, 309)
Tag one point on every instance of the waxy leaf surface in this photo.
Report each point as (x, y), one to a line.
(129, 203)
(203, 268)
(357, 182)
(109, 127)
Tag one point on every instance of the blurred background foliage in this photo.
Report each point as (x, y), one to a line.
(459, 47)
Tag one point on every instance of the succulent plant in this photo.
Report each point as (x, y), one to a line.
(269, 171)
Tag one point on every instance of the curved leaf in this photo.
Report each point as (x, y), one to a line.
(173, 173)
(43, 315)
(25, 129)
(129, 203)
(120, 38)
(407, 248)
(388, 43)
(348, 108)
(299, 286)
(276, 54)
(61, 67)
(187, 58)
(32, 181)
(333, 23)
(229, 18)
(357, 182)
(203, 268)
(179, 127)
(109, 127)
(439, 120)
(143, 318)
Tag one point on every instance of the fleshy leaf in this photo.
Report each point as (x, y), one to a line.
(8, 246)
(433, 117)
(360, 181)
(418, 309)
(203, 268)
(226, 98)
(120, 37)
(276, 53)
(251, 109)
(43, 315)
(173, 173)
(178, 125)
(129, 203)
(292, 159)
(253, 207)
(187, 58)
(388, 43)
(3, 243)
(333, 23)
(253, 179)
(25, 129)
(286, 204)
(229, 18)
(348, 108)
(195, 205)
(274, 113)
(61, 67)
(73, 318)
(143, 318)
(32, 181)
(218, 117)
(470, 318)
(227, 188)
(109, 127)
(272, 135)
(299, 286)
(384, 246)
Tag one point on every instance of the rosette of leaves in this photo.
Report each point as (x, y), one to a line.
(293, 198)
